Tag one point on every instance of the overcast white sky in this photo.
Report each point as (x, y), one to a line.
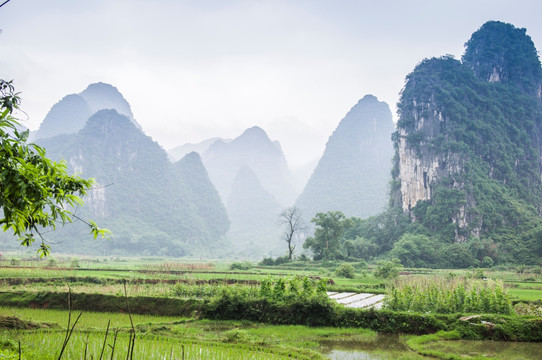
(198, 69)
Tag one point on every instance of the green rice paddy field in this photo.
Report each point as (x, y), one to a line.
(102, 335)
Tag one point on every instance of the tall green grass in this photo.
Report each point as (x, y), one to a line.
(207, 291)
(447, 296)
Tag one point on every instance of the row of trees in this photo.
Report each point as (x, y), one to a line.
(391, 233)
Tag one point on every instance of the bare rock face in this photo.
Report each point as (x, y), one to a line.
(418, 166)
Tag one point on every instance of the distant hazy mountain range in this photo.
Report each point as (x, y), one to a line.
(70, 114)
(152, 206)
(224, 193)
(354, 173)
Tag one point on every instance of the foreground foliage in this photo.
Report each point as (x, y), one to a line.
(35, 192)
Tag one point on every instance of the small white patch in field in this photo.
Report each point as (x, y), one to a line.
(341, 295)
(353, 300)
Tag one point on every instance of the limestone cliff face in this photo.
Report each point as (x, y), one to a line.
(419, 167)
(468, 154)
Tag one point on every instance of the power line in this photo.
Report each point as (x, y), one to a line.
(4, 3)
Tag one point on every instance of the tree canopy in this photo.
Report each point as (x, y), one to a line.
(35, 192)
(325, 244)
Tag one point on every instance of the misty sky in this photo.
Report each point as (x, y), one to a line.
(198, 69)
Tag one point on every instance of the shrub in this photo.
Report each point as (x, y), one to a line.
(281, 260)
(14, 262)
(278, 261)
(388, 269)
(303, 257)
(52, 263)
(478, 274)
(267, 261)
(245, 265)
(345, 270)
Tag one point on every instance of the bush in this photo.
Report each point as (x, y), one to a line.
(281, 260)
(388, 269)
(278, 261)
(14, 262)
(302, 257)
(245, 265)
(345, 270)
(267, 261)
(52, 263)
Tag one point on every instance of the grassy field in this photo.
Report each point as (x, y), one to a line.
(166, 337)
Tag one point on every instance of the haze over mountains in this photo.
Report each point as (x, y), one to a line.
(147, 202)
(466, 167)
(354, 173)
(71, 113)
(226, 194)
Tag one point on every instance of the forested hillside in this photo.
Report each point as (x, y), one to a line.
(150, 205)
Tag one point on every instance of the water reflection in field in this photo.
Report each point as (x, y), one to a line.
(379, 348)
(495, 349)
(393, 347)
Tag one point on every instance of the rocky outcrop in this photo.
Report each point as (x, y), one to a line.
(419, 166)
(500, 52)
(468, 154)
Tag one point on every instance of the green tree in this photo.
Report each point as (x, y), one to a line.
(35, 192)
(345, 270)
(328, 234)
(487, 262)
